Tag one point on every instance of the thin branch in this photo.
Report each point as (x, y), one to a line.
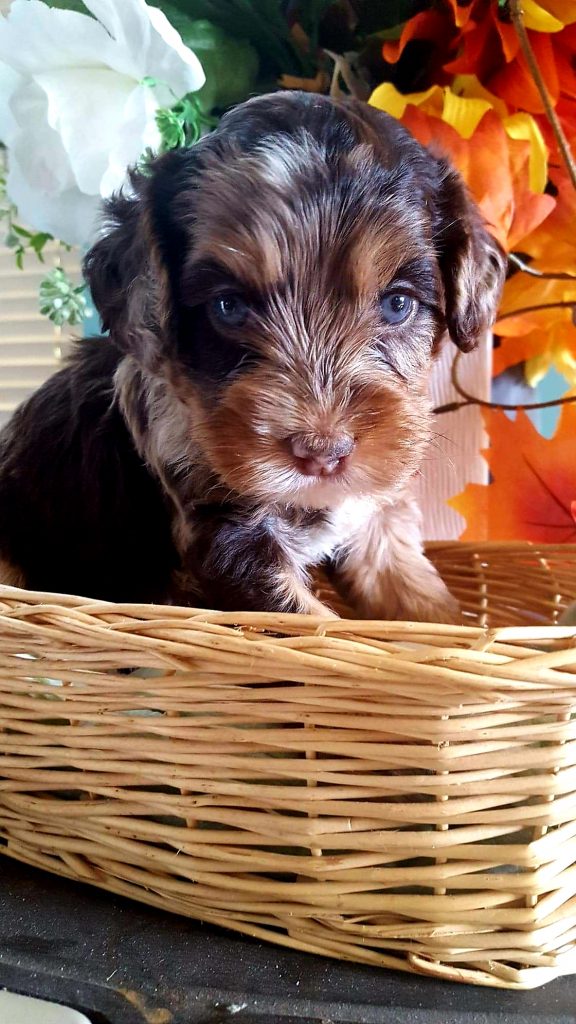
(516, 14)
(568, 304)
(560, 275)
(342, 67)
(469, 399)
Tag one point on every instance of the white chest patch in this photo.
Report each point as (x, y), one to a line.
(313, 543)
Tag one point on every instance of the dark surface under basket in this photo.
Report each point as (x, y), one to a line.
(121, 963)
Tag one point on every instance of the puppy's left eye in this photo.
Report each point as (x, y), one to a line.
(230, 309)
(396, 307)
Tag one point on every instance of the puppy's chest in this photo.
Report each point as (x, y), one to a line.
(312, 536)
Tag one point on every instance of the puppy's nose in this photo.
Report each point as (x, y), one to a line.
(320, 455)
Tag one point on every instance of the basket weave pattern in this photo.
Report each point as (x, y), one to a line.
(392, 793)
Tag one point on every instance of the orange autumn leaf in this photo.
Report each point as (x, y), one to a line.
(553, 346)
(533, 484)
(477, 38)
(522, 292)
(552, 245)
(541, 337)
(512, 210)
(513, 81)
(546, 337)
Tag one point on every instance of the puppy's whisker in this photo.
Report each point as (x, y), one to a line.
(445, 437)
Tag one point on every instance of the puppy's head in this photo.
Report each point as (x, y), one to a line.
(291, 276)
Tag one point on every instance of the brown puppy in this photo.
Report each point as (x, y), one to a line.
(275, 297)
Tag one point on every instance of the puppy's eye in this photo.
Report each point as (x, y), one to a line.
(396, 307)
(229, 309)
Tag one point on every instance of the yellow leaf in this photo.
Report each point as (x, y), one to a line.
(387, 98)
(462, 113)
(536, 368)
(524, 126)
(470, 86)
(538, 19)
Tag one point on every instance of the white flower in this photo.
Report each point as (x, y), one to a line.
(74, 110)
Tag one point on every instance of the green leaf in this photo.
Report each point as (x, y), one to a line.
(230, 65)
(143, 164)
(69, 5)
(61, 300)
(170, 124)
(37, 243)
(258, 22)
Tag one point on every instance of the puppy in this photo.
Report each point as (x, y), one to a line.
(274, 297)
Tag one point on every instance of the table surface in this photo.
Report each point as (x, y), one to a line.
(120, 962)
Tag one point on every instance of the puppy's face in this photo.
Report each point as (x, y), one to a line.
(305, 271)
(310, 306)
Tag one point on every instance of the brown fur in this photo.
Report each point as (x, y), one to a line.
(10, 575)
(311, 211)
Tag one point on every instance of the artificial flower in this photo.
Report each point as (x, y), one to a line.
(501, 157)
(542, 338)
(551, 347)
(479, 38)
(83, 104)
(533, 485)
(557, 352)
(552, 245)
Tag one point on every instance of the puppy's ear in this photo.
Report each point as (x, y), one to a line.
(129, 268)
(472, 263)
(114, 264)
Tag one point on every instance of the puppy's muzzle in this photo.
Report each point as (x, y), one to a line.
(320, 455)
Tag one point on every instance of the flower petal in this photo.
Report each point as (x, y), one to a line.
(35, 37)
(148, 44)
(9, 82)
(40, 179)
(86, 109)
(138, 132)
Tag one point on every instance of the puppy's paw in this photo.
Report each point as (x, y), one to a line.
(439, 606)
(398, 599)
(313, 606)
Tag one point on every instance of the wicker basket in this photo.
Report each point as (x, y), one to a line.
(398, 794)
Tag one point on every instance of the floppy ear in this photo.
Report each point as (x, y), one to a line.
(115, 262)
(472, 263)
(129, 269)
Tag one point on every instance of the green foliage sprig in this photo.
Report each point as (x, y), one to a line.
(17, 238)
(61, 300)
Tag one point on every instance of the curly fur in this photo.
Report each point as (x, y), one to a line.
(159, 464)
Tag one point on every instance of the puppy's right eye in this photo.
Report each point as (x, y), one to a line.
(229, 309)
(395, 307)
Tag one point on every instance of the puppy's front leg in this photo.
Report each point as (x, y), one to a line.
(234, 564)
(387, 575)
